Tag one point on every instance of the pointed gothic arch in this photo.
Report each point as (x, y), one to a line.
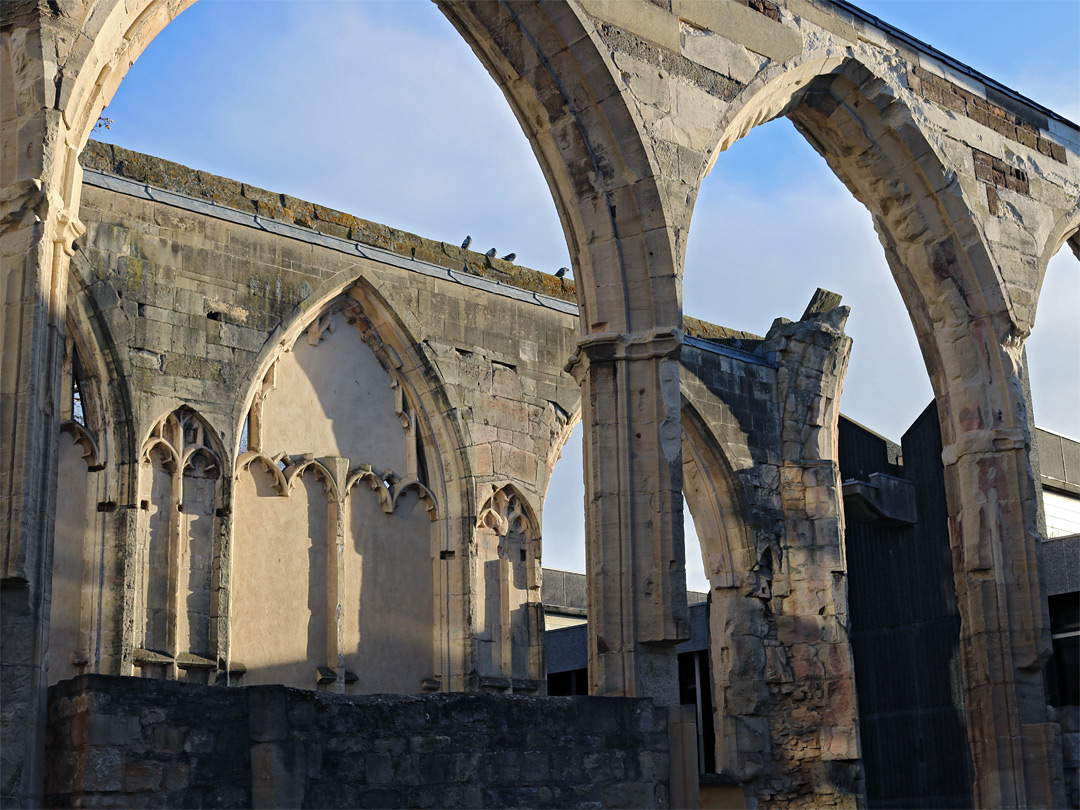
(179, 546)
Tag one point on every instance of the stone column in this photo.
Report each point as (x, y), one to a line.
(336, 591)
(38, 236)
(809, 666)
(633, 511)
(993, 501)
(1004, 633)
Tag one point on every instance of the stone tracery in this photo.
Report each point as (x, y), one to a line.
(625, 191)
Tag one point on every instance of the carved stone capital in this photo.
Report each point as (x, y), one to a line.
(984, 442)
(610, 347)
(28, 204)
(66, 229)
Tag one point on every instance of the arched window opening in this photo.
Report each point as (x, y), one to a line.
(1053, 357)
(510, 647)
(773, 223)
(564, 520)
(329, 486)
(81, 517)
(1053, 350)
(181, 496)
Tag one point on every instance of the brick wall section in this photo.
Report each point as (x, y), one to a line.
(948, 95)
(996, 173)
(130, 742)
(766, 7)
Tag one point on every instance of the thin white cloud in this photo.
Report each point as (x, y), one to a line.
(382, 110)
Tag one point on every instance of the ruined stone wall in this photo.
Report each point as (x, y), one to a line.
(126, 742)
(626, 103)
(786, 714)
(306, 367)
(259, 341)
(337, 422)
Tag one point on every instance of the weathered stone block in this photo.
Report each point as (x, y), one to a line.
(142, 776)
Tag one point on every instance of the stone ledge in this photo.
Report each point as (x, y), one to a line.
(283, 208)
(169, 176)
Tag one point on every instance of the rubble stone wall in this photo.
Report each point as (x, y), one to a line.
(135, 742)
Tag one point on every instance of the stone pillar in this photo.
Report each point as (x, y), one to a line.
(336, 591)
(633, 511)
(38, 236)
(993, 499)
(1004, 634)
(809, 666)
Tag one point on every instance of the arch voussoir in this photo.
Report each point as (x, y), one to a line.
(955, 182)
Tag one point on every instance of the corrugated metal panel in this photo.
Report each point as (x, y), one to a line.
(905, 630)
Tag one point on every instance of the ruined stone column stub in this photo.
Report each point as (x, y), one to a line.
(810, 594)
(633, 515)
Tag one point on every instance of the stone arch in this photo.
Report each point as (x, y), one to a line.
(277, 477)
(559, 439)
(393, 336)
(78, 549)
(626, 252)
(570, 108)
(295, 472)
(438, 464)
(716, 501)
(508, 635)
(431, 506)
(178, 550)
(1065, 231)
(379, 485)
(971, 322)
(737, 621)
(864, 127)
(557, 74)
(625, 229)
(552, 69)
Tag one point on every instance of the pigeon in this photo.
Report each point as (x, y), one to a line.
(467, 242)
(509, 257)
(491, 253)
(562, 271)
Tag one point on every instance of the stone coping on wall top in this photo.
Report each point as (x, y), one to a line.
(115, 690)
(174, 184)
(992, 86)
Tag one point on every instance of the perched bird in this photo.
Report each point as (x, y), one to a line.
(491, 253)
(562, 271)
(509, 257)
(467, 242)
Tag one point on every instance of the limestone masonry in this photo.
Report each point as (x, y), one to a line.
(266, 460)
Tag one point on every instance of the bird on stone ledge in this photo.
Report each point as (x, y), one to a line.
(491, 253)
(467, 242)
(509, 257)
(562, 271)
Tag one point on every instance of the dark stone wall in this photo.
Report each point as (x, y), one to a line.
(137, 742)
(905, 630)
(130, 742)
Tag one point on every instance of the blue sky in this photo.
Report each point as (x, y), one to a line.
(378, 108)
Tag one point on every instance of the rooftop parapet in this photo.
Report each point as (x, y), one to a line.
(170, 176)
